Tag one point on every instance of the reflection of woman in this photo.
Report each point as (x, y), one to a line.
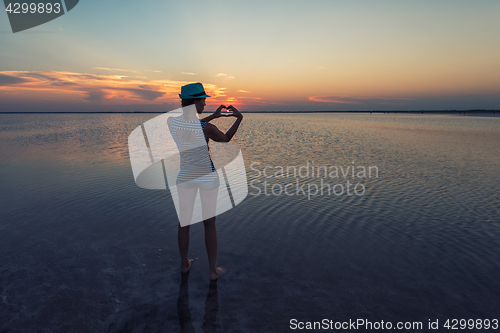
(211, 308)
(197, 171)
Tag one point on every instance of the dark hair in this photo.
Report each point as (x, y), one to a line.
(186, 102)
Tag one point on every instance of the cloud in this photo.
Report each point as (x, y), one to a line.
(95, 88)
(116, 69)
(37, 75)
(243, 91)
(95, 95)
(146, 94)
(57, 83)
(99, 95)
(6, 80)
(125, 70)
(188, 73)
(226, 76)
(359, 100)
(334, 99)
(249, 98)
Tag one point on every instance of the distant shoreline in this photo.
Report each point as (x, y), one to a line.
(270, 112)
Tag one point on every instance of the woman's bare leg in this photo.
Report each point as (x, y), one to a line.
(211, 245)
(209, 205)
(186, 204)
(183, 239)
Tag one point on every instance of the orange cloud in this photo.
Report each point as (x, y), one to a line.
(96, 88)
(116, 69)
(333, 99)
(358, 100)
(226, 76)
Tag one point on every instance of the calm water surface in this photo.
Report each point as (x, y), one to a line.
(83, 249)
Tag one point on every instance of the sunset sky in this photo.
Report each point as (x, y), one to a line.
(259, 55)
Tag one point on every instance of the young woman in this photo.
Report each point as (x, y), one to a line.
(197, 171)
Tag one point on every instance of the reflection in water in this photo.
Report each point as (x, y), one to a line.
(422, 243)
(185, 320)
(211, 307)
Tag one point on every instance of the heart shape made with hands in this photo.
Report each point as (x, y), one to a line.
(227, 111)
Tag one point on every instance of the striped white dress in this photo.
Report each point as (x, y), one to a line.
(196, 164)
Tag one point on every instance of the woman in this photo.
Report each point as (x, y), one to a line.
(197, 171)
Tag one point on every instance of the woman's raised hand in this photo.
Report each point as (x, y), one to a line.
(217, 112)
(235, 111)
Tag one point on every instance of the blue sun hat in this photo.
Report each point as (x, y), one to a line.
(192, 91)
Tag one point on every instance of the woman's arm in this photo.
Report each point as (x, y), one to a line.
(215, 134)
(214, 115)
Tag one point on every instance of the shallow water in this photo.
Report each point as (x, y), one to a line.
(83, 249)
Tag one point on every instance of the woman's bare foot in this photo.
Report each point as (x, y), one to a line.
(185, 268)
(218, 273)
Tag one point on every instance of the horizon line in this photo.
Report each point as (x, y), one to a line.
(311, 111)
